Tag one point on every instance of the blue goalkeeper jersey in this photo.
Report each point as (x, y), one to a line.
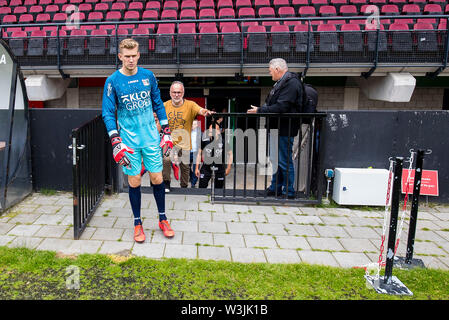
(134, 98)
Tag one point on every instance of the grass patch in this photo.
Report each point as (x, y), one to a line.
(31, 274)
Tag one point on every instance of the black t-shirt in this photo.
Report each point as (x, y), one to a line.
(214, 151)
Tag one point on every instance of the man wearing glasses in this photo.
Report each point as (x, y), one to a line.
(180, 113)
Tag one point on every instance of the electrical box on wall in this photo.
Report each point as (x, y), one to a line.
(360, 186)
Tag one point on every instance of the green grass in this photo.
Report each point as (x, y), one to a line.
(31, 274)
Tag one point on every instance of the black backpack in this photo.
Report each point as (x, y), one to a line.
(309, 98)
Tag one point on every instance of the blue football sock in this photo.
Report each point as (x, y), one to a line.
(159, 196)
(135, 197)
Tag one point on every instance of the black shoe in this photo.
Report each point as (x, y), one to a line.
(282, 196)
(167, 186)
(271, 193)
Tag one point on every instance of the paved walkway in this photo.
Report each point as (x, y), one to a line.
(241, 233)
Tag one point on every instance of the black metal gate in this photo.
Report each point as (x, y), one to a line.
(254, 140)
(91, 171)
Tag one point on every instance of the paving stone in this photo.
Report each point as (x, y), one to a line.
(47, 209)
(318, 257)
(292, 242)
(211, 207)
(51, 231)
(107, 234)
(149, 250)
(5, 227)
(214, 253)
(25, 218)
(247, 255)
(25, 242)
(116, 247)
(158, 237)
(331, 231)
(258, 241)
(241, 227)
(225, 217)
(336, 221)
(358, 245)
(351, 259)
(198, 216)
(52, 219)
(362, 232)
(24, 230)
(102, 222)
(84, 246)
(213, 226)
(280, 218)
(321, 243)
(272, 228)
(180, 251)
(302, 219)
(4, 239)
(54, 244)
(229, 240)
(282, 256)
(251, 217)
(180, 225)
(236, 208)
(300, 230)
(197, 238)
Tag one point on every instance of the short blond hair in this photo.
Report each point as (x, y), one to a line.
(128, 44)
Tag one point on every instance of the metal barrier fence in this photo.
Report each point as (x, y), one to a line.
(324, 40)
(91, 155)
(263, 150)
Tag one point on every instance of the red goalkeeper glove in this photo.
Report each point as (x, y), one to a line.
(118, 151)
(166, 141)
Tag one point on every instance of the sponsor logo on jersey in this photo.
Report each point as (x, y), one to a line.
(146, 82)
(138, 100)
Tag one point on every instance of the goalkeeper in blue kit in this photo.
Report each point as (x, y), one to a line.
(133, 94)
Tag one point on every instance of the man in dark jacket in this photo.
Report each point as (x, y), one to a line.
(283, 98)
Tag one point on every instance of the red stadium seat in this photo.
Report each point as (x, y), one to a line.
(280, 3)
(242, 4)
(132, 15)
(411, 9)
(307, 11)
(298, 3)
(97, 42)
(226, 13)
(303, 38)
(327, 11)
(102, 7)
(257, 39)
(153, 5)
(230, 38)
(266, 12)
(286, 12)
(42, 18)
(432, 8)
(95, 16)
(135, 5)
(280, 39)
(206, 14)
(9, 19)
(246, 13)
(401, 41)
(186, 38)
(36, 43)
(17, 43)
(261, 3)
(206, 4)
(208, 40)
(170, 5)
(141, 35)
(187, 14)
(188, 4)
(351, 38)
(225, 4)
(169, 14)
(76, 42)
(20, 10)
(390, 10)
(348, 10)
(113, 16)
(150, 15)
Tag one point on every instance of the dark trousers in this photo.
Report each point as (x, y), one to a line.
(206, 175)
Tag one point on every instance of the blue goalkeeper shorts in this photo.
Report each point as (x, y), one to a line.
(152, 160)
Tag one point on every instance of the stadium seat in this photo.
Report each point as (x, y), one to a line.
(76, 42)
(187, 14)
(307, 11)
(401, 38)
(118, 6)
(420, 3)
(36, 43)
(225, 4)
(338, 3)
(280, 39)
(286, 12)
(86, 8)
(426, 37)
(97, 42)
(17, 43)
(260, 4)
(170, 5)
(34, 10)
(327, 11)
(257, 39)
(371, 39)
(226, 13)
(432, 8)
(231, 39)
(188, 4)
(206, 14)
(9, 19)
(132, 15)
(208, 40)
(153, 5)
(102, 7)
(206, 4)
(135, 5)
(411, 9)
(390, 10)
(26, 18)
(29, 3)
(348, 10)
(52, 42)
(352, 38)
(95, 16)
(266, 12)
(42, 18)
(141, 35)
(113, 42)
(113, 16)
(164, 38)
(303, 38)
(59, 17)
(280, 3)
(246, 12)
(150, 15)
(20, 10)
(169, 14)
(242, 4)
(328, 40)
